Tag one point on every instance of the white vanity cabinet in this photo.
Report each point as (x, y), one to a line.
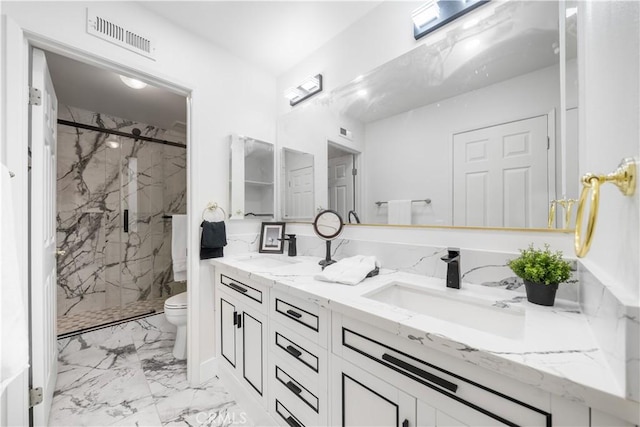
(242, 332)
(380, 376)
(298, 375)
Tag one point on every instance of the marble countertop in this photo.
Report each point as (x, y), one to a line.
(553, 347)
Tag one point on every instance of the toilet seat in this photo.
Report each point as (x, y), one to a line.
(177, 301)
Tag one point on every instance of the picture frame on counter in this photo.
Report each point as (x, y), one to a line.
(271, 238)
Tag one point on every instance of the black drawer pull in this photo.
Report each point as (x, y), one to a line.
(405, 423)
(294, 314)
(292, 422)
(235, 317)
(294, 388)
(294, 351)
(237, 287)
(419, 372)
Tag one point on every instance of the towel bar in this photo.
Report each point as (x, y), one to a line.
(427, 201)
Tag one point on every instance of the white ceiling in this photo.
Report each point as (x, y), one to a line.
(94, 89)
(274, 35)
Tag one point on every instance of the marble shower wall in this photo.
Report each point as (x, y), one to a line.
(104, 266)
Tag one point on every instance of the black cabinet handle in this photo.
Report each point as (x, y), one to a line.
(126, 220)
(294, 351)
(294, 388)
(237, 287)
(405, 423)
(239, 320)
(292, 422)
(235, 317)
(294, 314)
(419, 372)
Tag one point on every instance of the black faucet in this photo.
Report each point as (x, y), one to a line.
(453, 267)
(293, 250)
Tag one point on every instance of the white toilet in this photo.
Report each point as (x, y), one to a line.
(175, 309)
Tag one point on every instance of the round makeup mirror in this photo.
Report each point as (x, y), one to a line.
(328, 225)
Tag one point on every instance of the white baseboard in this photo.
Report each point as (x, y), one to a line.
(208, 369)
(254, 410)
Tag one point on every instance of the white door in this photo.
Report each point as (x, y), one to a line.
(341, 185)
(300, 193)
(500, 175)
(43, 237)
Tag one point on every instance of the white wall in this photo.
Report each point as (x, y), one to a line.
(609, 118)
(608, 70)
(228, 95)
(409, 156)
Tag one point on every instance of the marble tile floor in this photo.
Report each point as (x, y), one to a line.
(126, 375)
(88, 319)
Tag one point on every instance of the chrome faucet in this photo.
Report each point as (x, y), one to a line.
(453, 267)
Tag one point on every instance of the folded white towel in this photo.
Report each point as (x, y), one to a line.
(399, 212)
(349, 271)
(14, 347)
(179, 247)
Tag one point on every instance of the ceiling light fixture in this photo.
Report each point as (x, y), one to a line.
(435, 14)
(133, 83)
(305, 90)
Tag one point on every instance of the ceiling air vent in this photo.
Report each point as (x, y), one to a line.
(107, 29)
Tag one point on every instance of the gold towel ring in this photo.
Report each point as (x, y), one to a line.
(624, 177)
(212, 207)
(591, 184)
(552, 214)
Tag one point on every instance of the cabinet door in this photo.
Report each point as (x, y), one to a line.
(455, 414)
(253, 357)
(365, 400)
(228, 326)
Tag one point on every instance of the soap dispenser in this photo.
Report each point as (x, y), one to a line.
(293, 250)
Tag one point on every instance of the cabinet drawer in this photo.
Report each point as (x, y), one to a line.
(294, 387)
(305, 318)
(240, 288)
(294, 313)
(292, 350)
(284, 416)
(440, 387)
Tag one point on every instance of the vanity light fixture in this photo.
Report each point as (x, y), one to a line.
(133, 83)
(437, 13)
(305, 90)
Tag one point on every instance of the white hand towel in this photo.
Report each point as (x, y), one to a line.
(399, 212)
(349, 271)
(14, 345)
(179, 247)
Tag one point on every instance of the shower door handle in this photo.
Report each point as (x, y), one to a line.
(126, 220)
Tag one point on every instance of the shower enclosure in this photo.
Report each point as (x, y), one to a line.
(115, 198)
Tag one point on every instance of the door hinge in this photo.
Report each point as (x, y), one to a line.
(35, 396)
(35, 96)
(354, 171)
(548, 143)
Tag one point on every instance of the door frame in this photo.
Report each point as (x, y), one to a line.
(19, 43)
(358, 183)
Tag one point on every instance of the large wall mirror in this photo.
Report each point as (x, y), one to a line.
(472, 129)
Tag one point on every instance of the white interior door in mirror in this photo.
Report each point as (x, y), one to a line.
(251, 186)
(297, 194)
(500, 175)
(341, 184)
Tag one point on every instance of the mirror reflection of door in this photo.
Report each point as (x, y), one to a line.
(341, 180)
(298, 185)
(500, 175)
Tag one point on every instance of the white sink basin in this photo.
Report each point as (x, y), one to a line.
(267, 261)
(454, 307)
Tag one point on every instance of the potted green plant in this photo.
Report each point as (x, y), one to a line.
(541, 270)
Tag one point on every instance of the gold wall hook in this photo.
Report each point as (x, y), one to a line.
(624, 177)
